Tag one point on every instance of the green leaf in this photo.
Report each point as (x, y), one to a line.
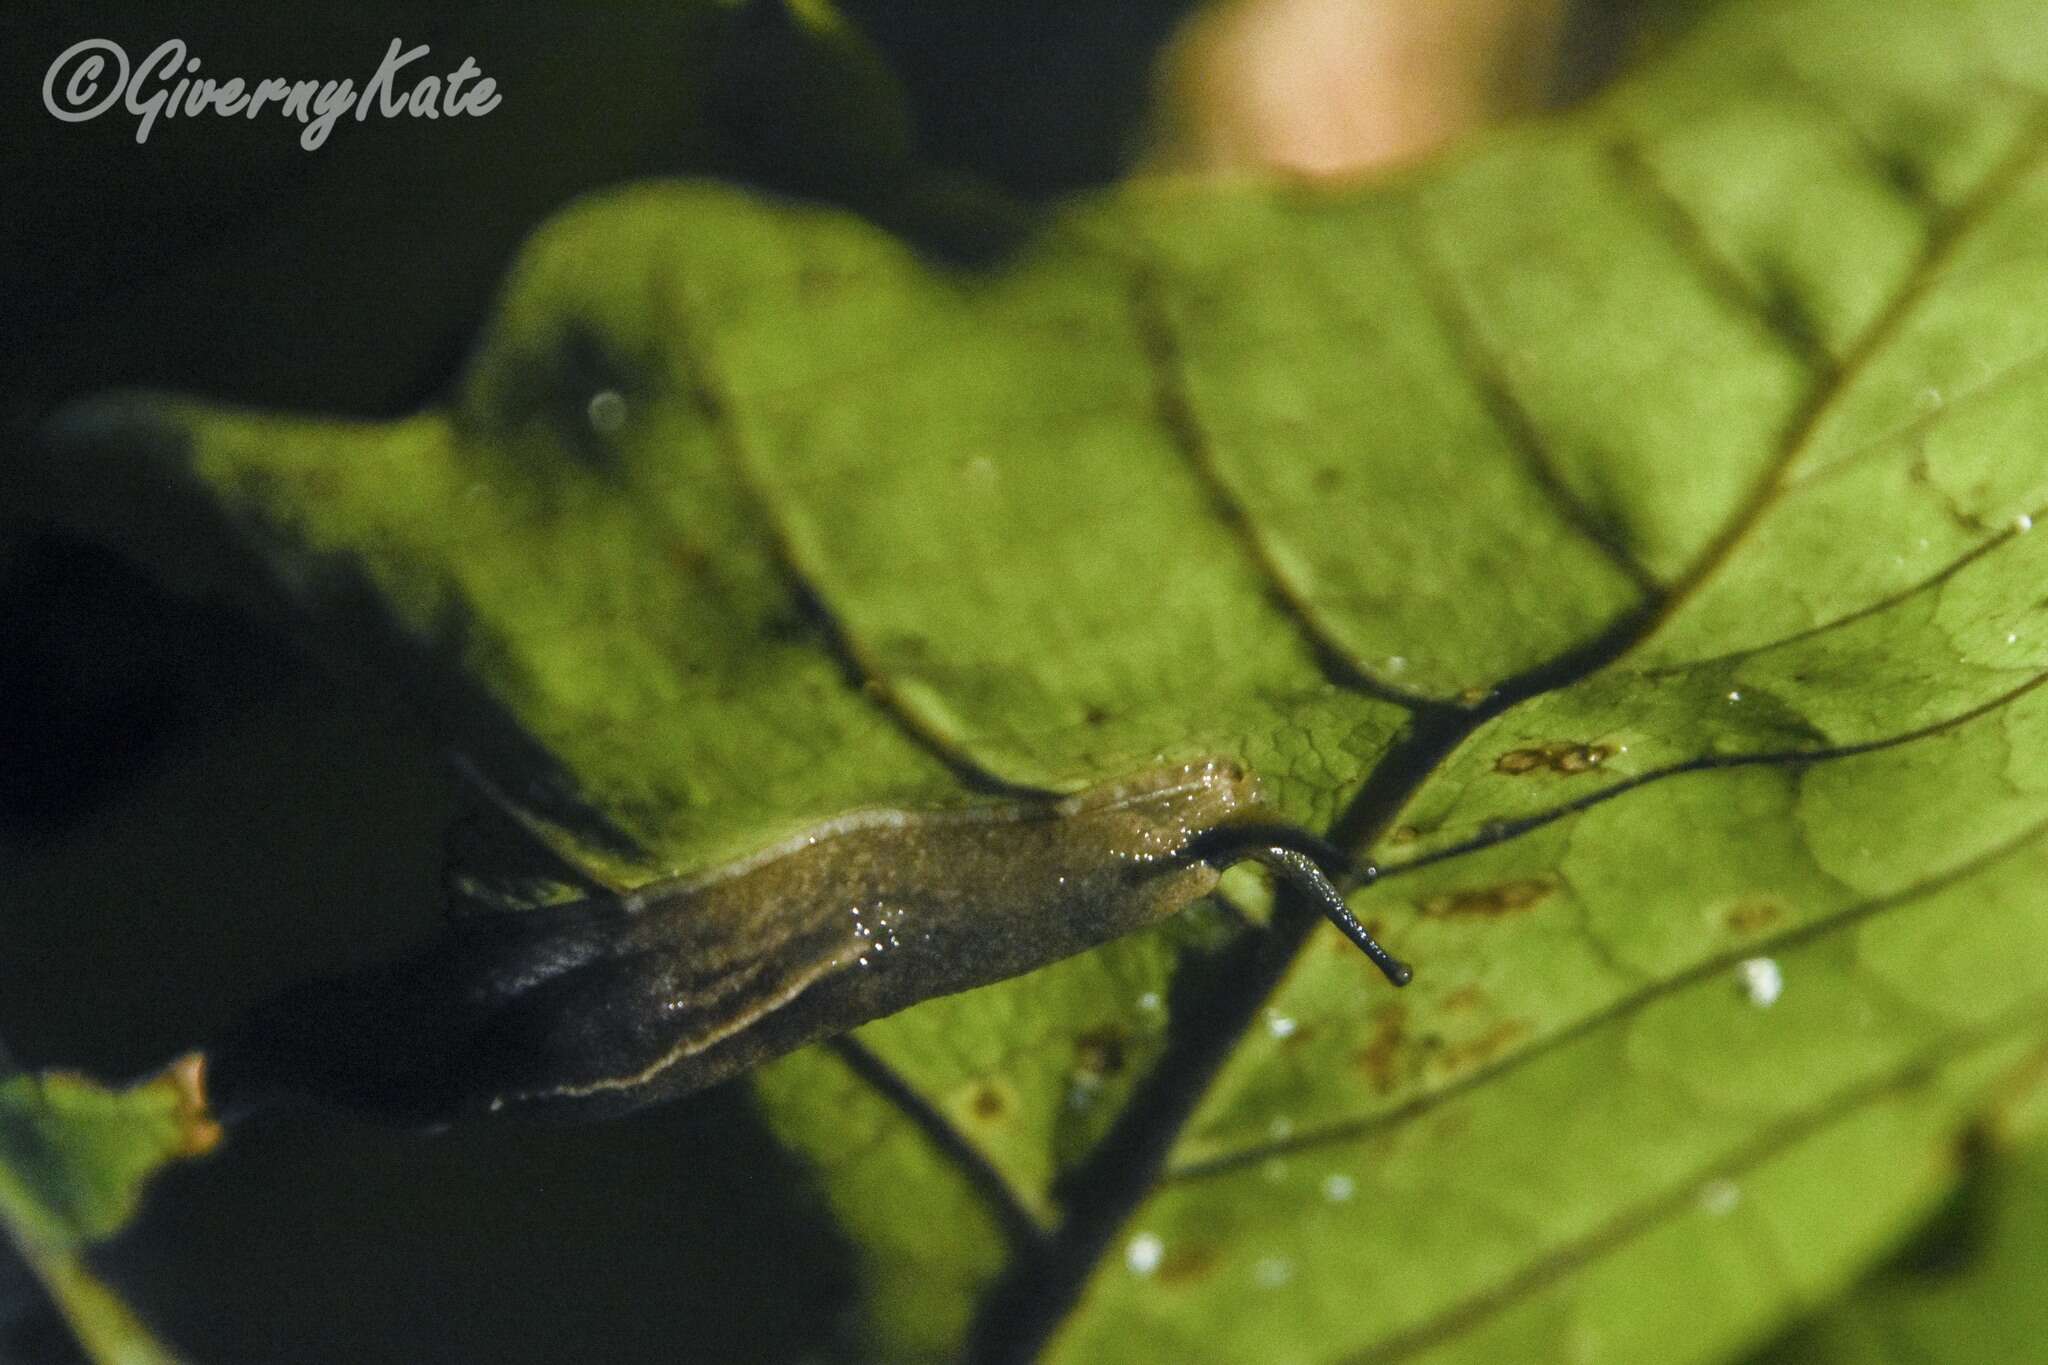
(1964, 1287)
(74, 1157)
(1619, 532)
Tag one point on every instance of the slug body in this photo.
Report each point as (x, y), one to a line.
(608, 1004)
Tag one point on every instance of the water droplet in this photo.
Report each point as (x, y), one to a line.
(1719, 1197)
(1273, 1271)
(2012, 637)
(1143, 1253)
(1338, 1189)
(1280, 1026)
(1735, 696)
(606, 411)
(1761, 980)
(2023, 523)
(1149, 1000)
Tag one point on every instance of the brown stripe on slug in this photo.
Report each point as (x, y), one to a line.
(614, 1002)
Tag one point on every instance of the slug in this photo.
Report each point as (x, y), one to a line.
(600, 1006)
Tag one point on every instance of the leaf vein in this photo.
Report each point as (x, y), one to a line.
(1514, 829)
(1174, 409)
(1023, 1229)
(1483, 367)
(1785, 940)
(1632, 1223)
(860, 672)
(1940, 247)
(1779, 317)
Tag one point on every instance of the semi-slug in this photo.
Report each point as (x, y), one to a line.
(617, 1001)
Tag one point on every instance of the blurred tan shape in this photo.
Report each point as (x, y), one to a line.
(1332, 89)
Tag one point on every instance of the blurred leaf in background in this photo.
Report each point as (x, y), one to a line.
(73, 1160)
(1967, 1288)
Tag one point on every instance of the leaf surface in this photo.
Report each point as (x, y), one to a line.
(74, 1157)
(1619, 532)
(1963, 1287)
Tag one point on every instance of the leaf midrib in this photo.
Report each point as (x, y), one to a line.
(1052, 1286)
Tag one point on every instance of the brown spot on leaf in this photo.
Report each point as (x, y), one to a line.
(1187, 1263)
(1404, 834)
(1456, 1058)
(684, 555)
(816, 282)
(1487, 901)
(1466, 997)
(1752, 916)
(1099, 1054)
(989, 1104)
(1379, 1060)
(1450, 1124)
(1567, 759)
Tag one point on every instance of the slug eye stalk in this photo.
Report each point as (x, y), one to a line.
(1298, 859)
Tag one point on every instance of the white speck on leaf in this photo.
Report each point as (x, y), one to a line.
(1338, 1189)
(1719, 1197)
(1761, 980)
(1273, 1271)
(1280, 1026)
(1143, 1253)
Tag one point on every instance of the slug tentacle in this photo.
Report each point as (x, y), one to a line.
(1306, 862)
